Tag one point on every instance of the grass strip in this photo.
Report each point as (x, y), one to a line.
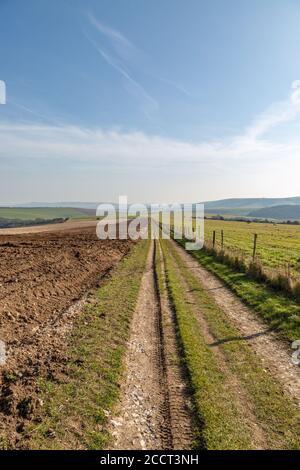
(76, 409)
(220, 425)
(278, 310)
(278, 415)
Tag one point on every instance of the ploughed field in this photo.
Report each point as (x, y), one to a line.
(43, 276)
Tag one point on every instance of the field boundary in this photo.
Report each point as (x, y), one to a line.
(259, 405)
(275, 308)
(278, 281)
(77, 408)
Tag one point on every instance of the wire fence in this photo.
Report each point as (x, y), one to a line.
(216, 240)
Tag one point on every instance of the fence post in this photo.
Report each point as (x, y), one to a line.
(254, 246)
(222, 239)
(214, 238)
(289, 270)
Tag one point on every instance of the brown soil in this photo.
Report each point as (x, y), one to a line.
(154, 410)
(65, 226)
(43, 278)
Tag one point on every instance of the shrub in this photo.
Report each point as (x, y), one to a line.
(282, 282)
(239, 264)
(296, 290)
(255, 271)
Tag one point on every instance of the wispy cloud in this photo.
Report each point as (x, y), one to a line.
(175, 85)
(137, 149)
(126, 57)
(123, 47)
(278, 113)
(149, 104)
(118, 58)
(32, 112)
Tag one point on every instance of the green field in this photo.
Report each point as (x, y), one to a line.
(41, 213)
(277, 245)
(224, 421)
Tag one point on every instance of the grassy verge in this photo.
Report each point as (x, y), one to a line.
(278, 310)
(277, 415)
(220, 425)
(76, 409)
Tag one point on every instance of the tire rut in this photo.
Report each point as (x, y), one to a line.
(233, 384)
(154, 407)
(272, 351)
(180, 397)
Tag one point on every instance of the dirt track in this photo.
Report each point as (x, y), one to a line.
(155, 410)
(41, 276)
(44, 282)
(272, 351)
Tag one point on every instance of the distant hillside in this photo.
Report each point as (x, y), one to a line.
(33, 213)
(246, 206)
(250, 203)
(54, 205)
(243, 207)
(283, 212)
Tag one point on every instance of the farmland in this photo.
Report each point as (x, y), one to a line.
(125, 345)
(278, 245)
(41, 213)
(44, 278)
(164, 356)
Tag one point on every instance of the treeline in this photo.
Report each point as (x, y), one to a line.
(14, 223)
(249, 221)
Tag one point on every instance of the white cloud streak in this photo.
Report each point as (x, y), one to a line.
(149, 104)
(278, 113)
(175, 85)
(141, 151)
(122, 46)
(124, 50)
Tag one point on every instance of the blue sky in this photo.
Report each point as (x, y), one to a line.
(161, 100)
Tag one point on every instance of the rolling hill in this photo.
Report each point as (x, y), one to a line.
(249, 203)
(255, 207)
(283, 212)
